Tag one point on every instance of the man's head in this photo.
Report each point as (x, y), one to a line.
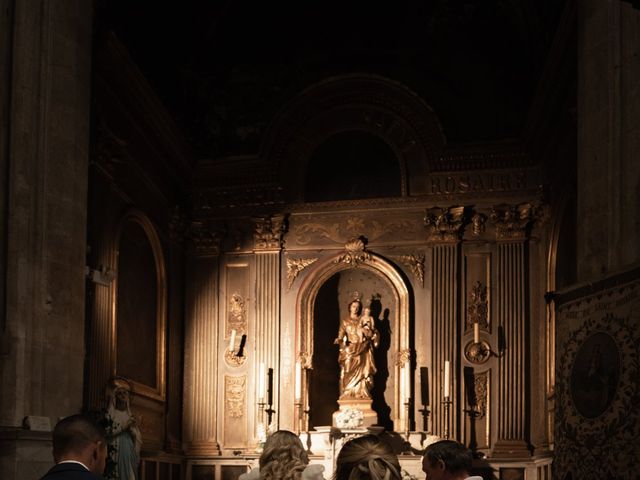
(446, 459)
(78, 438)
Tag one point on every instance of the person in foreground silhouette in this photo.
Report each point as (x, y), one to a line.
(367, 458)
(448, 460)
(284, 458)
(79, 450)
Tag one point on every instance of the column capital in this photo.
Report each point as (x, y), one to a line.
(268, 232)
(512, 221)
(444, 224)
(206, 238)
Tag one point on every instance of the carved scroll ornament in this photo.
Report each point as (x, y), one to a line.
(235, 395)
(416, 263)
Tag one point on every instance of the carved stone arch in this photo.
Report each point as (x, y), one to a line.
(306, 298)
(140, 219)
(357, 102)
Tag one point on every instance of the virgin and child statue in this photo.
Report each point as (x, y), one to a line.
(357, 338)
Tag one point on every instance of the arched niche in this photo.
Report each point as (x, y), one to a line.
(139, 306)
(362, 103)
(397, 339)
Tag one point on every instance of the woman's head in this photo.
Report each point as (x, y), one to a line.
(355, 307)
(283, 457)
(367, 458)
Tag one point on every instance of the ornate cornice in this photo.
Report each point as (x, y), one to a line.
(268, 232)
(355, 252)
(295, 266)
(444, 224)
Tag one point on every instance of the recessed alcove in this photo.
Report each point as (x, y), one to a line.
(330, 306)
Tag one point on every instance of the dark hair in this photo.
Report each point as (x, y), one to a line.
(365, 458)
(283, 457)
(456, 457)
(74, 433)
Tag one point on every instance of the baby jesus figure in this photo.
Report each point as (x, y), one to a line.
(366, 324)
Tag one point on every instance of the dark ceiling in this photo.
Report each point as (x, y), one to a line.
(224, 69)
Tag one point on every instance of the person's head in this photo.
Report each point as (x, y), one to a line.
(355, 307)
(367, 458)
(446, 459)
(283, 457)
(78, 438)
(120, 393)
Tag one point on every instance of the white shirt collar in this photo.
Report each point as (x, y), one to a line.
(74, 461)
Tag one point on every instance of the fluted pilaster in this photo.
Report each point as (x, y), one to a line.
(268, 241)
(201, 348)
(445, 332)
(510, 304)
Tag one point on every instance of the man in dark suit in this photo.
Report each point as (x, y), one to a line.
(79, 450)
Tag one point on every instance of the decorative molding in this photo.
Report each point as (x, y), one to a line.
(236, 315)
(403, 357)
(355, 252)
(343, 231)
(269, 231)
(512, 221)
(232, 359)
(478, 221)
(481, 390)
(295, 266)
(205, 239)
(416, 263)
(478, 308)
(444, 224)
(235, 392)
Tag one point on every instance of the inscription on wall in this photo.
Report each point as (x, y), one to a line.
(478, 182)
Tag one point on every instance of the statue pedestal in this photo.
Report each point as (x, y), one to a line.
(364, 405)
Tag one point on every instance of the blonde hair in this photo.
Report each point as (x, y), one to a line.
(283, 457)
(367, 458)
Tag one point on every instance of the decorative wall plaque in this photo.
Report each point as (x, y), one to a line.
(268, 232)
(235, 392)
(477, 309)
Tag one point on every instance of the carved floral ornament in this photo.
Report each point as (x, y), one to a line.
(513, 221)
(295, 266)
(355, 252)
(477, 310)
(235, 395)
(416, 263)
(268, 232)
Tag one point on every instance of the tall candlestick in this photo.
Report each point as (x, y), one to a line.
(262, 373)
(407, 382)
(232, 341)
(446, 378)
(298, 382)
(270, 386)
(424, 386)
(476, 332)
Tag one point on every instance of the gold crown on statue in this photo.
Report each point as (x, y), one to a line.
(356, 296)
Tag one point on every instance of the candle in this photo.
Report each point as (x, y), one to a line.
(424, 386)
(262, 373)
(232, 341)
(298, 381)
(270, 386)
(476, 332)
(446, 378)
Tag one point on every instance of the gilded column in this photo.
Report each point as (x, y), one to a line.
(201, 350)
(267, 247)
(444, 227)
(511, 224)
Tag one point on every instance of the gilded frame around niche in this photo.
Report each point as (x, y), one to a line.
(156, 391)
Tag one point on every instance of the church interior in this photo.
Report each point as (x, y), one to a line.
(195, 193)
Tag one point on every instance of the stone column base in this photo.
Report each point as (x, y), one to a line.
(203, 448)
(364, 405)
(511, 449)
